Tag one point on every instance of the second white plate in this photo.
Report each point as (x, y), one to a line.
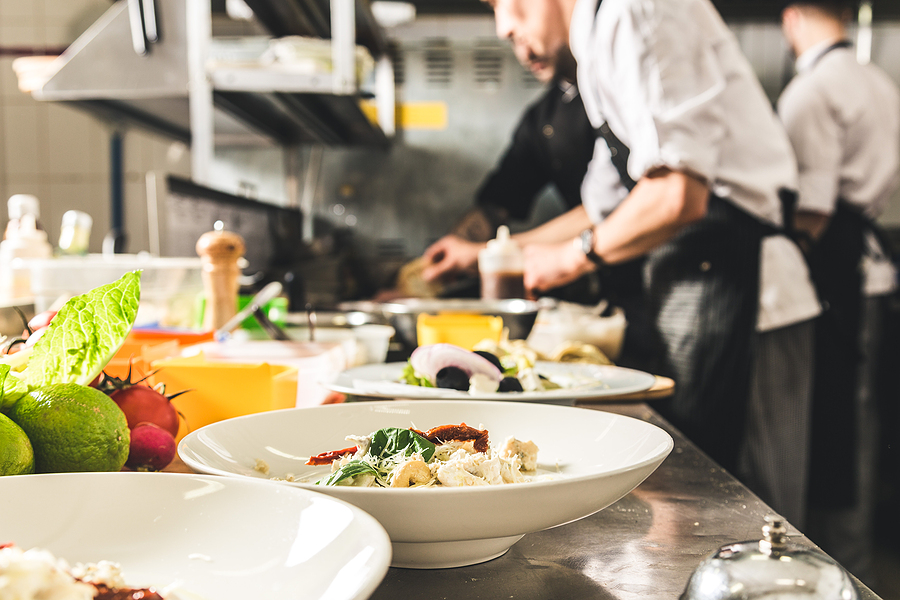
(585, 382)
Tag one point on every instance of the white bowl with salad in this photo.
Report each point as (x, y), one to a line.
(442, 505)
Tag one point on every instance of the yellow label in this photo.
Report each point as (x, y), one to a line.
(412, 115)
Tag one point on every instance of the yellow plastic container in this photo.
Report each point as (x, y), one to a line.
(220, 391)
(462, 330)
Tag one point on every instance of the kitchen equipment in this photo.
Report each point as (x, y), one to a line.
(501, 266)
(566, 324)
(518, 315)
(75, 232)
(169, 286)
(268, 293)
(219, 252)
(18, 206)
(461, 330)
(24, 238)
(590, 458)
(221, 389)
(201, 537)
(771, 567)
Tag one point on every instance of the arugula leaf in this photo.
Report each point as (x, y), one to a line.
(354, 468)
(393, 440)
(85, 334)
(410, 377)
(11, 387)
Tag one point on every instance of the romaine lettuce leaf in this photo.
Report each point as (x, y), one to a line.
(11, 387)
(85, 334)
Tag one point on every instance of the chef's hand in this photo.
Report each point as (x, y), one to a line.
(450, 255)
(549, 266)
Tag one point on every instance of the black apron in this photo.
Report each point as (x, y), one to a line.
(701, 296)
(835, 269)
(834, 263)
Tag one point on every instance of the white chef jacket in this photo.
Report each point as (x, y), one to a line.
(843, 119)
(672, 83)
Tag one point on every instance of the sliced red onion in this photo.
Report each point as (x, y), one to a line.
(428, 360)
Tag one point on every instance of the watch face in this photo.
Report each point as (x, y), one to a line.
(587, 241)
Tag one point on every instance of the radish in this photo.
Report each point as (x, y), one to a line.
(152, 448)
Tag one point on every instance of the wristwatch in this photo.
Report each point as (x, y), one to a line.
(586, 244)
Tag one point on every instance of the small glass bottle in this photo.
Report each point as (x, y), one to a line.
(20, 205)
(75, 233)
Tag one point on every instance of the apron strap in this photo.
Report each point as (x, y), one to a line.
(619, 153)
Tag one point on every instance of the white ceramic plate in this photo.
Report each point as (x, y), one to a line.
(595, 457)
(587, 382)
(209, 538)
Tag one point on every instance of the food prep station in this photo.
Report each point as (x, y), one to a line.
(233, 109)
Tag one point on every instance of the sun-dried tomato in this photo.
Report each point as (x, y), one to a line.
(461, 433)
(326, 458)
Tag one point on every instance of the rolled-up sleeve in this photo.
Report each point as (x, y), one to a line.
(816, 137)
(677, 77)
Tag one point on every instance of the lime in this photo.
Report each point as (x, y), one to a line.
(73, 427)
(16, 455)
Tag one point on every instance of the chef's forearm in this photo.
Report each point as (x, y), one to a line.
(657, 208)
(564, 227)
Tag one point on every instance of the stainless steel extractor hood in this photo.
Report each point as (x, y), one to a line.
(135, 64)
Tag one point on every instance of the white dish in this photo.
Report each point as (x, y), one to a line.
(208, 537)
(596, 457)
(594, 381)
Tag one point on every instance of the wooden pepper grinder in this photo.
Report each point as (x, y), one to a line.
(220, 252)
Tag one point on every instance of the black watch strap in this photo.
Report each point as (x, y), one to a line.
(587, 246)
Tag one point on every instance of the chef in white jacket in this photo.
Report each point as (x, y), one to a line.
(708, 163)
(843, 119)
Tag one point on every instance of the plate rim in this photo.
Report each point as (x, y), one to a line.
(373, 528)
(649, 380)
(667, 446)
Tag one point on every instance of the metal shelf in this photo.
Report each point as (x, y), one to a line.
(120, 69)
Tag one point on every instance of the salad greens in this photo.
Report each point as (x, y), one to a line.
(409, 376)
(389, 447)
(79, 342)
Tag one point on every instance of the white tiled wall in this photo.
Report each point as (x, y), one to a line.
(59, 153)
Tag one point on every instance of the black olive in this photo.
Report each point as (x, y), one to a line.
(452, 378)
(510, 384)
(491, 357)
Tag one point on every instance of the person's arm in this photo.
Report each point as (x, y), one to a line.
(659, 206)
(563, 227)
(453, 254)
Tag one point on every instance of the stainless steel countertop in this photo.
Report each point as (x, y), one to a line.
(643, 547)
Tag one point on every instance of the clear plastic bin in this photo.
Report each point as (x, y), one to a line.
(169, 286)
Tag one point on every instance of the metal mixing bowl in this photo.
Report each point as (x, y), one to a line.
(518, 315)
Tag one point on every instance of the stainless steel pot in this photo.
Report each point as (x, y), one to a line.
(518, 315)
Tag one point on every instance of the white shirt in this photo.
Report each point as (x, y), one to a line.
(843, 119)
(670, 79)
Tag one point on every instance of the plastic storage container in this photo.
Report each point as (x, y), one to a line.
(501, 266)
(169, 286)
